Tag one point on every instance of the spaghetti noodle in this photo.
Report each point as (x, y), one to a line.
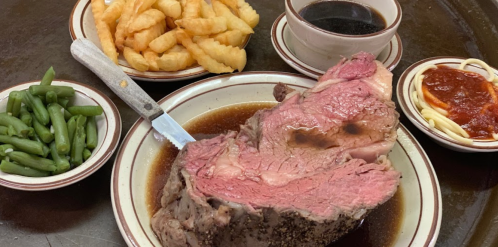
(441, 113)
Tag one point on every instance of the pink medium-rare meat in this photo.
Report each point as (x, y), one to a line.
(303, 173)
(328, 130)
(362, 66)
(337, 185)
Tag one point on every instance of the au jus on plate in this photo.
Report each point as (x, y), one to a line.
(303, 173)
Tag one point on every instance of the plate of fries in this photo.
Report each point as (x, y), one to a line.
(168, 40)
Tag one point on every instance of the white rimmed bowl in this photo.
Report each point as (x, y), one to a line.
(108, 129)
(404, 93)
(422, 207)
(322, 49)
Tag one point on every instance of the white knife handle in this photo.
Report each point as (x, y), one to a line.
(85, 52)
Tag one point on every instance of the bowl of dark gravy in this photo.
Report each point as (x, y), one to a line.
(324, 31)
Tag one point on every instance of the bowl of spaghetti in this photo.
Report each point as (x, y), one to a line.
(454, 101)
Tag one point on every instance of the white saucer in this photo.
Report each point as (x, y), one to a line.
(282, 38)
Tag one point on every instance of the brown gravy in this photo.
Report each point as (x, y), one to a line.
(380, 228)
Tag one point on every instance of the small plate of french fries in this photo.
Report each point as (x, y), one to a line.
(168, 40)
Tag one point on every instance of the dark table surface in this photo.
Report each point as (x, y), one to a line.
(34, 36)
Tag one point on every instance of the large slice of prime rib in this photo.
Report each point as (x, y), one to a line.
(303, 173)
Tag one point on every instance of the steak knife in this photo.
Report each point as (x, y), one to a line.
(85, 52)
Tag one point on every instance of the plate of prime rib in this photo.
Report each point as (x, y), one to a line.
(314, 168)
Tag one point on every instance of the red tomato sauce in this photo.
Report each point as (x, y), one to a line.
(467, 96)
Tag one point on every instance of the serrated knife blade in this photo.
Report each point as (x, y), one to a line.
(85, 52)
(169, 128)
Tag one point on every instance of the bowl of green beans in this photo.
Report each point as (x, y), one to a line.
(54, 133)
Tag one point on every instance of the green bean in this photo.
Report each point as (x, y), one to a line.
(51, 97)
(60, 128)
(81, 121)
(25, 116)
(25, 100)
(63, 101)
(42, 131)
(45, 148)
(43, 99)
(32, 161)
(4, 149)
(25, 145)
(61, 162)
(16, 109)
(11, 131)
(14, 103)
(10, 102)
(91, 133)
(20, 126)
(48, 77)
(78, 146)
(3, 130)
(71, 128)
(39, 109)
(67, 115)
(13, 168)
(86, 154)
(88, 110)
(61, 91)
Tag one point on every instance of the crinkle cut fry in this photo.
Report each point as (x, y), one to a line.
(103, 30)
(121, 29)
(200, 56)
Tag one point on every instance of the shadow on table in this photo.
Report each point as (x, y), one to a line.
(54, 210)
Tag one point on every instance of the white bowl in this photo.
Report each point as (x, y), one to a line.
(421, 194)
(322, 49)
(108, 129)
(404, 93)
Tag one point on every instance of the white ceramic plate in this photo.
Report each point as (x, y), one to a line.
(108, 129)
(282, 40)
(82, 25)
(421, 194)
(404, 92)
